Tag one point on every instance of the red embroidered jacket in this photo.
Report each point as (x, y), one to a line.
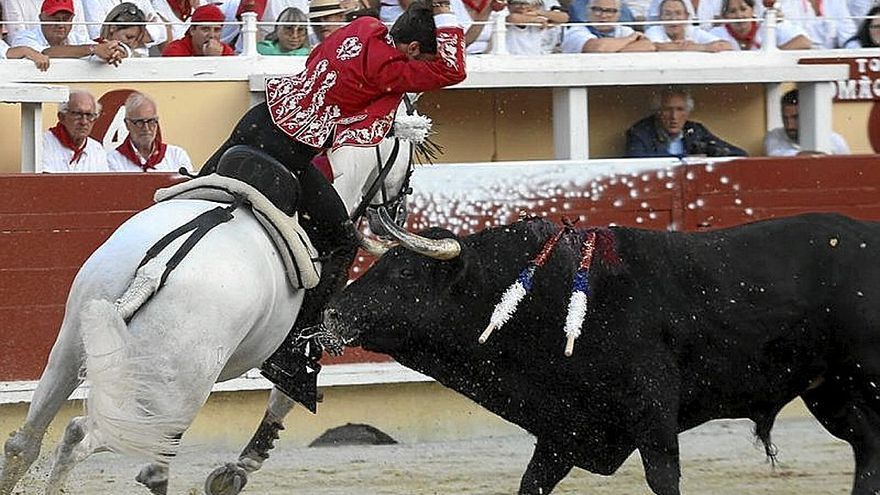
(354, 80)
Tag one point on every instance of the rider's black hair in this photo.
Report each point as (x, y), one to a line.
(416, 24)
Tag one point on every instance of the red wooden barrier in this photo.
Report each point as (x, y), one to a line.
(49, 224)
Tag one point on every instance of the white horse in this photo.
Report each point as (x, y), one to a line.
(222, 311)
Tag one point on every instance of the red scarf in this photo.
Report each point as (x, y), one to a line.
(182, 8)
(60, 132)
(127, 150)
(748, 38)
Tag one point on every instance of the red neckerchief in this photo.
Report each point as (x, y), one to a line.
(748, 38)
(477, 5)
(60, 132)
(182, 8)
(127, 150)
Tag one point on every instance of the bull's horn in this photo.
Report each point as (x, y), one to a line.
(374, 246)
(440, 249)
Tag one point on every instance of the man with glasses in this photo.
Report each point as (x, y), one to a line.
(67, 147)
(607, 36)
(143, 149)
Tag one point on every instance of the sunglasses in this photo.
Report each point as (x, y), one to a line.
(604, 10)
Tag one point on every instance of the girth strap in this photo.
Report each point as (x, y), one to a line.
(199, 226)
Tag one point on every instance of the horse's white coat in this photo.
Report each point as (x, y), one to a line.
(222, 311)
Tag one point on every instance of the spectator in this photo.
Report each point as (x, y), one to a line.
(703, 11)
(668, 132)
(868, 35)
(101, 11)
(274, 9)
(826, 22)
(292, 39)
(203, 39)
(750, 36)
(531, 21)
(17, 12)
(608, 36)
(58, 40)
(67, 147)
(143, 149)
(327, 17)
(683, 36)
(578, 11)
(784, 141)
(134, 37)
(40, 60)
(484, 14)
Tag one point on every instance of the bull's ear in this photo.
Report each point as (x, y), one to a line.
(463, 277)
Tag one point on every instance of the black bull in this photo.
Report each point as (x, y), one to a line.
(733, 323)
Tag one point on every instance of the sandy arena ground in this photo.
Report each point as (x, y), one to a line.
(720, 458)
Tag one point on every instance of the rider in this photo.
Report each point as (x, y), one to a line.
(347, 95)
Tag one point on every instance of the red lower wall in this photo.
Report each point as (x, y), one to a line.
(49, 224)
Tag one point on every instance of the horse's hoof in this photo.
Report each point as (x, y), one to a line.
(227, 480)
(155, 478)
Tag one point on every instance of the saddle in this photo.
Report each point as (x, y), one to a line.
(293, 245)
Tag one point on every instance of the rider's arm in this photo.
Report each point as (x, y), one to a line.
(395, 73)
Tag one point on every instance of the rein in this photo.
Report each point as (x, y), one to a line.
(379, 182)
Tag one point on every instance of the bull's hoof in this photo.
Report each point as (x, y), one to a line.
(227, 480)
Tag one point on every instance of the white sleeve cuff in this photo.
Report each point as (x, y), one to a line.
(446, 20)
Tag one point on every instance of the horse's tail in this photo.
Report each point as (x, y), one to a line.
(125, 401)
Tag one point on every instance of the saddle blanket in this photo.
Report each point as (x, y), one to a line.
(296, 250)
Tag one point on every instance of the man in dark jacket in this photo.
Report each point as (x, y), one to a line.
(668, 132)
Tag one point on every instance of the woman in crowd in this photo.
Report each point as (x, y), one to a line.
(287, 39)
(125, 24)
(749, 35)
(868, 35)
(684, 36)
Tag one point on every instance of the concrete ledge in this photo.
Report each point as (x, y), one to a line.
(331, 376)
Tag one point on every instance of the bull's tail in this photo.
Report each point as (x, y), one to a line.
(126, 403)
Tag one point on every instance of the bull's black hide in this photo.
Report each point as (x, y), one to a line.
(691, 327)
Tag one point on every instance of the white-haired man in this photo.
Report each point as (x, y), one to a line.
(606, 36)
(143, 149)
(67, 147)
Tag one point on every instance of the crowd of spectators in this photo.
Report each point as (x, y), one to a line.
(109, 31)
(112, 30)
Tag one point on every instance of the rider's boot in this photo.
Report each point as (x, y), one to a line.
(293, 368)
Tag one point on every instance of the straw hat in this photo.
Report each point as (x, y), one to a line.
(322, 8)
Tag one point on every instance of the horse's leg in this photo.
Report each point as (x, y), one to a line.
(155, 477)
(78, 443)
(231, 478)
(59, 380)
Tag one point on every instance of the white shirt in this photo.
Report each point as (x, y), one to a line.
(56, 157)
(777, 143)
(178, 29)
(658, 34)
(483, 43)
(3, 49)
(175, 157)
(576, 37)
(831, 30)
(34, 38)
(17, 11)
(707, 10)
(785, 32)
(97, 10)
(524, 40)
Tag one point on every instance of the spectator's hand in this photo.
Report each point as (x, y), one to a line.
(212, 48)
(110, 51)
(40, 60)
